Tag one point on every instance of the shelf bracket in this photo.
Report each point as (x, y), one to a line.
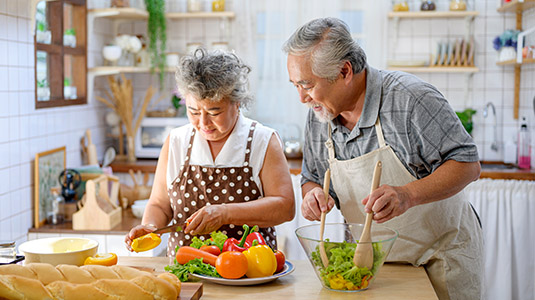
(468, 90)
(91, 81)
(469, 24)
(396, 37)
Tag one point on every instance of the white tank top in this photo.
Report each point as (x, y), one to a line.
(231, 155)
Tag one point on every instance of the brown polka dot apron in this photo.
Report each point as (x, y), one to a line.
(198, 186)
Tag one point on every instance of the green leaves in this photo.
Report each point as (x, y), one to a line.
(193, 266)
(466, 119)
(156, 29)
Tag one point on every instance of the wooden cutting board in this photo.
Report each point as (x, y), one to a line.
(190, 291)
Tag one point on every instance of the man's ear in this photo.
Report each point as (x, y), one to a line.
(346, 71)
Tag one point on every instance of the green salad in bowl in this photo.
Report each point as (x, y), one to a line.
(340, 242)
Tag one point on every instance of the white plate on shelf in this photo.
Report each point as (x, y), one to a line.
(288, 268)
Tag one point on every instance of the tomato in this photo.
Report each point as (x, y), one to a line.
(231, 264)
(103, 259)
(281, 260)
(211, 249)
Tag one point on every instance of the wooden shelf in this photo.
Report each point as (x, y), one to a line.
(49, 48)
(517, 6)
(432, 14)
(101, 71)
(74, 51)
(512, 62)
(435, 69)
(126, 13)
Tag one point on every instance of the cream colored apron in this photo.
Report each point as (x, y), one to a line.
(444, 235)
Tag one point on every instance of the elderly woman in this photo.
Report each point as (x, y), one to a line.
(222, 170)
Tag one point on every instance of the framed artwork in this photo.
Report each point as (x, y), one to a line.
(48, 166)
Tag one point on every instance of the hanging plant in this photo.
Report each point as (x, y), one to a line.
(156, 30)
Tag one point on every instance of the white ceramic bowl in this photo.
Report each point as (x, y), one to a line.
(138, 208)
(59, 250)
(112, 52)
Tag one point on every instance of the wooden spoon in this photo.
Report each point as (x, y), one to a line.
(323, 254)
(364, 252)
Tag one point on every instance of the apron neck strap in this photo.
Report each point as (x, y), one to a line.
(329, 143)
(379, 131)
(249, 143)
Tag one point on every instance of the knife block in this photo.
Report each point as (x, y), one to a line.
(98, 210)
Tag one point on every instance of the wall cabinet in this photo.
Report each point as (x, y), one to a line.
(518, 7)
(60, 53)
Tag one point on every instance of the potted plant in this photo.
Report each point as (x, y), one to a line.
(69, 91)
(466, 119)
(43, 35)
(156, 30)
(43, 90)
(69, 38)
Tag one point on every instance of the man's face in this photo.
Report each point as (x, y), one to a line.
(317, 93)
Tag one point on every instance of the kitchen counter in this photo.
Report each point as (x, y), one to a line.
(492, 170)
(394, 281)
(127, 223)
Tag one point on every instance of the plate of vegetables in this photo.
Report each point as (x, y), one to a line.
(288, 268)
(229, 261)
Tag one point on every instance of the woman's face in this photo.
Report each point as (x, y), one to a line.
(213, 120)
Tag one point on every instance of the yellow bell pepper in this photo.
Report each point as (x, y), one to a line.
(261, 261)
(146, 242)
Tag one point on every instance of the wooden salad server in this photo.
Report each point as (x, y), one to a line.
(323, 254)
(364, 252)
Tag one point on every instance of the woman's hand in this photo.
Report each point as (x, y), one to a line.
(314, 203)
(136, 232)
(207, 219)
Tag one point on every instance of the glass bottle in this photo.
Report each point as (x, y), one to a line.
(400, 5)
(56, 212)
(524, 152)
(457, 5)
(428, 5)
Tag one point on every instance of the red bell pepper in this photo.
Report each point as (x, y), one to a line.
(232, 244)
(255, 235)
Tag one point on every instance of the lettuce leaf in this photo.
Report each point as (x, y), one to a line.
(341, 263)
(193, 266)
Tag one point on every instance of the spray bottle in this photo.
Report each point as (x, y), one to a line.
(524, 143)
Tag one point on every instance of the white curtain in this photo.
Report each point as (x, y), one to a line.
(261, 28)
(507, 212)
(286, 239)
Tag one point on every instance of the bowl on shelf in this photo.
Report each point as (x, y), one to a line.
(59, 250)
(138, 208)
(340, 241)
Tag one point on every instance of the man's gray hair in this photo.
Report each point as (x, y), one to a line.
(329, 44)
(214, 75)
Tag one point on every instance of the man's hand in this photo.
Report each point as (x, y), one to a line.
(314, 203)
(387, 202)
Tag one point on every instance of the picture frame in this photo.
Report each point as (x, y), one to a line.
(48, 167)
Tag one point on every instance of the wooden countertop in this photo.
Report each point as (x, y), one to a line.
(122, 228)
(492, 170)
(394, 281)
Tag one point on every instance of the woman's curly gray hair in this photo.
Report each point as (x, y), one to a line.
(214, 75)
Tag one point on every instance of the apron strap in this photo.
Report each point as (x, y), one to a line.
(379, 132)
(185, 167)
(249, 143)
(329, 143)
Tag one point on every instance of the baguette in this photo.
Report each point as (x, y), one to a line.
(44, 281)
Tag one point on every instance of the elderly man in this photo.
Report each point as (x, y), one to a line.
(360, 115)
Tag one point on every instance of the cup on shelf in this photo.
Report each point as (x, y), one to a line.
(171, 59)
(191, 47)
(222, 46)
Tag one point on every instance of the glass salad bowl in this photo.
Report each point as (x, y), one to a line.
(340, 241)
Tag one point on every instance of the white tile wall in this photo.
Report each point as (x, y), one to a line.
(493, 83)
(25, 131)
